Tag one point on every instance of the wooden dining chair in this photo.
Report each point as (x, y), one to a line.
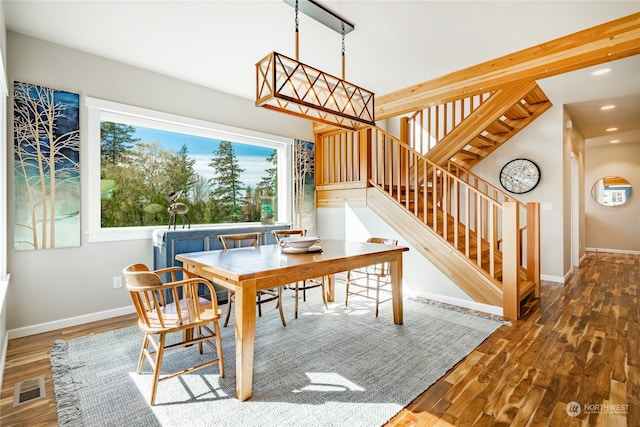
(371, 281)
(305, 284)
(192, 319)
(247, 240)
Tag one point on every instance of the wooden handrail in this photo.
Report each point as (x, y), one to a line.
(427, 127)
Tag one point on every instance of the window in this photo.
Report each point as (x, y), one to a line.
(141, 161)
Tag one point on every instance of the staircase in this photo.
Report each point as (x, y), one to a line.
(483, 239)
(467, 130)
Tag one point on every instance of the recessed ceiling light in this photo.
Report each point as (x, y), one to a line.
(601, 71)
(612, 129)
(614, 141)
(607, 107)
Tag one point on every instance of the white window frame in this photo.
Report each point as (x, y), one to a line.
(99, 109)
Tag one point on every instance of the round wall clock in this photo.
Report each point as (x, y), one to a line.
(519, 176)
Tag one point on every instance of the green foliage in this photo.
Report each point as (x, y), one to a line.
(116, 139)
(269, 184)
(137, 177)
(226, 185)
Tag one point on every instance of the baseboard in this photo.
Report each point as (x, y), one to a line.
(70, 321)
(472, 305)
(556, 279)
(3, 357)
(613, 251)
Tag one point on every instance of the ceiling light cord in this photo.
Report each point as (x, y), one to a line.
(343, 56)
(297, 32)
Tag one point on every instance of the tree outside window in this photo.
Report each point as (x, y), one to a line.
(220, 181)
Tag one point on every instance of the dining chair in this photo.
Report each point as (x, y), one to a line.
(247, 240)
(305, 284)
(189, 318)
(371, 280)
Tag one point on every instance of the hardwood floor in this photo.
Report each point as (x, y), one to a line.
(578, 343)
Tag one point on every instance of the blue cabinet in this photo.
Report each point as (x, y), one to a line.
(168, 243)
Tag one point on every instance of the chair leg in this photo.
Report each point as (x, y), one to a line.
(346, 298)
(296, 303)
(156, 368)
(145, 343)
(226, 319)
(377, 295)
(280, 306)
(198, 334)
(324, 296)
(216, 329)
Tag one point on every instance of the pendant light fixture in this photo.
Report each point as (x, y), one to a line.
(289, 86)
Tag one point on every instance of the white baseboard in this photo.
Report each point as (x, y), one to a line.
(3, 357)
(472, 305)
(613, 251)
(557, 279)
(70, 321)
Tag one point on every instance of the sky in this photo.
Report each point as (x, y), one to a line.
(251, 158)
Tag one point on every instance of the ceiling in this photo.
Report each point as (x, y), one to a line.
(395, 44)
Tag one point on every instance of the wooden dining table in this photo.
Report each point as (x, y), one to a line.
(247, 270)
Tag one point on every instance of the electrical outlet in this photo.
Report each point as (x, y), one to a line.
(117, 282)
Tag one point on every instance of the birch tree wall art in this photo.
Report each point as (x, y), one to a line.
(304, 186)
(46, 168)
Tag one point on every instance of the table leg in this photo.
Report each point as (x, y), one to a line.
(331, 289)
(396, 288)
(245, 312)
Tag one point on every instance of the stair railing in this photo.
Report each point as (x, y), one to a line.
(494, 231)
(424, 129)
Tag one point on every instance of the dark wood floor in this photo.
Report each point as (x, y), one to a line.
(578, 343)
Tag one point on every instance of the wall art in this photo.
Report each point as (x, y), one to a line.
(46, 167)
(304, 187)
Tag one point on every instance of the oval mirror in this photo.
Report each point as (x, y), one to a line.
(611, 191)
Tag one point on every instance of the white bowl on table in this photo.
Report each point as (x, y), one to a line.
(299, 242)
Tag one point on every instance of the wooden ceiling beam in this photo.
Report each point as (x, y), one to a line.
(604, 43)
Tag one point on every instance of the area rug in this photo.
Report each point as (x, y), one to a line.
(336, 367)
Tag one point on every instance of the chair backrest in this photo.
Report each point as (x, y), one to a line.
(243, 240)
(169, 305)
(138, 276)
(279, 234)
(381, 269)
(383, 240)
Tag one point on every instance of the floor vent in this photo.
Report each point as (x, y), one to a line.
(28, 390)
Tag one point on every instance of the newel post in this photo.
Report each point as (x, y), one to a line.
(319, 159)
(510, 260)
(533, 245)
(365, 156)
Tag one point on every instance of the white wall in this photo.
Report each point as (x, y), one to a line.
(574, 145)
(542, 142)
(48, 286)
(4, 278)
(613, 229)
(420, 277)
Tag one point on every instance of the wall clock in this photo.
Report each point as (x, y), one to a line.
(519, 176)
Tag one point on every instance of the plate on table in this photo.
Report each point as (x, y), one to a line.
(310, 249)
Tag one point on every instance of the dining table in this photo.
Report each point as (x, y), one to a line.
(248, 270)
